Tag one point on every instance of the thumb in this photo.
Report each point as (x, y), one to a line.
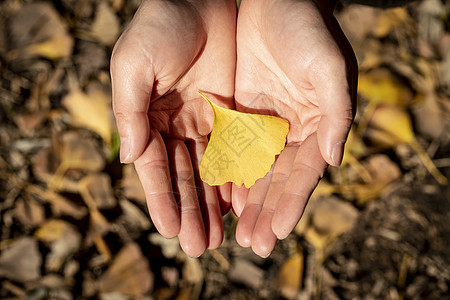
(132, 84)
(336, 103)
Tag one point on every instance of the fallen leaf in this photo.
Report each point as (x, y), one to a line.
(169, 247)
(91, 110)
(38, 30)
(357, 22)
(129, 273)
(58, 46)
(247, 273)
(63, 240)
(106, 27)
(290, 276)
(131, 185)
(51, 231)
(21, 261)
(59, 205)
(333, 217)
(392, 126)
(429, 116)
(97, 188)
(390, 19)
(380, 86)
(133, 217)
(192, 271)
(242, 147)
(430, 23)
(29, 212)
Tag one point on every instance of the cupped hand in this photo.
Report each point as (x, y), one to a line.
(170, 50)
(293, 61)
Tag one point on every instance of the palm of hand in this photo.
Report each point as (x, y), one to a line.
(286, 59)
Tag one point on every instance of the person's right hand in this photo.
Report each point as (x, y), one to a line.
(170, 50)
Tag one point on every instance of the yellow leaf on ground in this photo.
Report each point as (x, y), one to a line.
(58, 46)
(242, 147)
(91, 110)
(37, 29)
(129, 274)
(390, 19)
(52, 230)
(381, 86)
(106, 26)
(290, 276)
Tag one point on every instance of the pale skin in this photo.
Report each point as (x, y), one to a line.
(285, 52)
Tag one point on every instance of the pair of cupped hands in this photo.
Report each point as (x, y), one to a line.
(290, 54)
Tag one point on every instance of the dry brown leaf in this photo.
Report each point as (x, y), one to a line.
(106, 27)
(393, 126)
(290, 276)
(430, 24)
(246, 273)
(59, 205)
(133, 216)
(21, 261)
(429, 116)
(97, 191)
(91, 110)
(169, 247)
(357, 22)
(29, 212)
(192, 271)
(333, 217)
(129, 273)
(63, 240)
(389, 19)
(62, 165)
(131, 185)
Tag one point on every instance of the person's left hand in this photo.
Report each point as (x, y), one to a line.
(292, 61)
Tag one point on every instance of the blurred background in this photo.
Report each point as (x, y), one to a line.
(73, 220)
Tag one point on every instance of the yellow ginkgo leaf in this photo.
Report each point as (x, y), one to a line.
(242, 146)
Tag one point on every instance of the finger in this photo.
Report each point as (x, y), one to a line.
(224, 194)
(250, 213)
(238, 198)
(263, 238)
(209, 202)
(335, 87)
(307, 170)
(153, 170)
(192, 234)
(132, 83)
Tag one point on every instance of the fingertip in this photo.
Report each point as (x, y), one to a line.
(193, 249)
(243, 237)
(263, 251)
(281, 233)
(169, 227)
(337, 153)
(331, 138)
(125, 155)
(238, 199)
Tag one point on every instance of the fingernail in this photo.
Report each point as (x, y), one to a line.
(266, 256)
(338, 151)
(282, 237)
(125, 155)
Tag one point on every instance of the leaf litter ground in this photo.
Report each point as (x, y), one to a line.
(73, 220)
